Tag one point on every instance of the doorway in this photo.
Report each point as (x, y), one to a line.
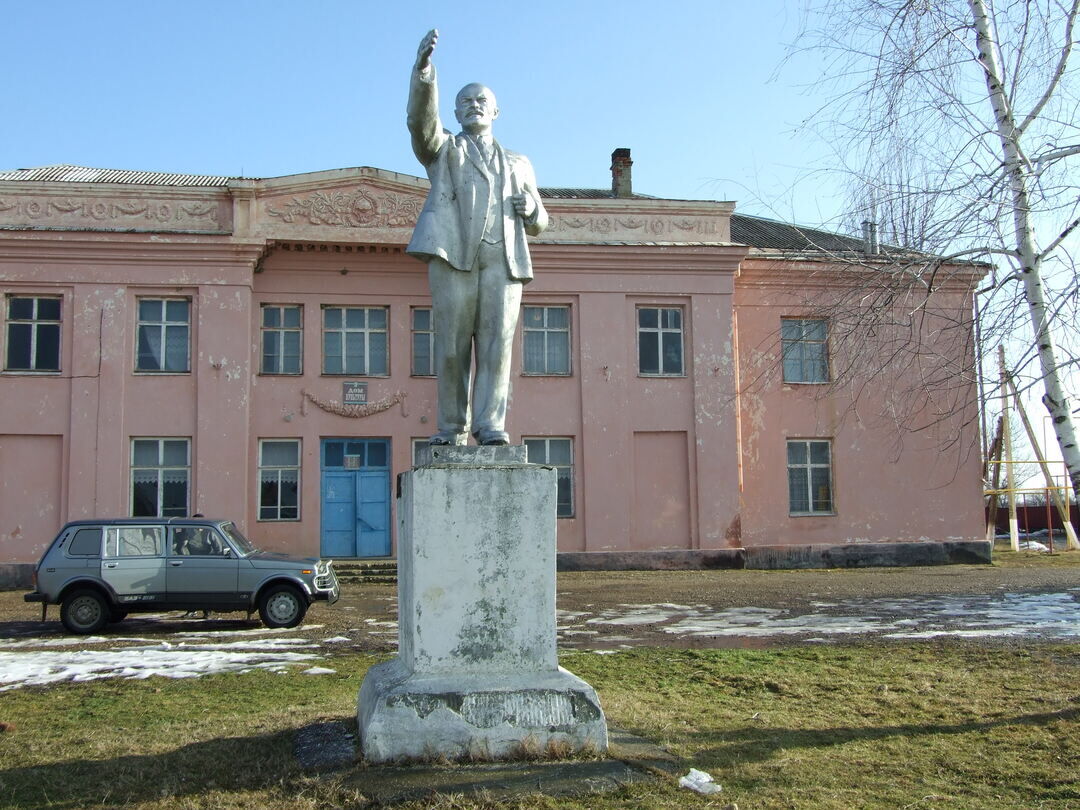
(355, 498)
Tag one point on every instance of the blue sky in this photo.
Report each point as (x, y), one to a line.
(273, 87)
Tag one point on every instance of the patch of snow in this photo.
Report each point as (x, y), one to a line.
(183, 660)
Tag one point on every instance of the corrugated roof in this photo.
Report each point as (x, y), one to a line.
(769, 234)
(586, 194)
(65, 173)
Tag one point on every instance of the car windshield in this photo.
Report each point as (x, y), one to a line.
(242, 544)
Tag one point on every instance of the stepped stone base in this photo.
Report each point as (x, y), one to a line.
(406, 716)
(477, 673)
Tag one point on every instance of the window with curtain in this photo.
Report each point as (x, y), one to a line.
(163, 335)
(546, 337)
(160, 477)
(279, 479)
(355, 341)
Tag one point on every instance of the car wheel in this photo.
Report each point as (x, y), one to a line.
(282, 606)
(84, 612)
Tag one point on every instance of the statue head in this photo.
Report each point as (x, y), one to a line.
(475, 109)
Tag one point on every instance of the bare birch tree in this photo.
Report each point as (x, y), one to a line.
(965, 113)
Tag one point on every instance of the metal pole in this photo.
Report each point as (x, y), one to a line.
(1010, 473)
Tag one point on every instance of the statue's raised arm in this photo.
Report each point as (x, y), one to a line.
(425, 127)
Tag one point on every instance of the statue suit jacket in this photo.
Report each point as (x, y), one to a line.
(454, 218)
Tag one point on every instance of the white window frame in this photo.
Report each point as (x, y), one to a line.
(161, 470)
(36, 324)
(545, 331)
(417, 445)
(422, 338)
(277, 334)
(275, 471)
(368, 333)
(801, 473)
(565, 506)
(811, 355)
(163, 327)
(661, 330)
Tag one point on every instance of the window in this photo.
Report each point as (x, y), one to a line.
(163, 332)
(418, 448)
(660, 341)
(282, 331)
(354, 341)
(196, 541)
(423, 343)
(85, 543)
(546, 332)
(557, 453)
(134, 541)
(353, 454)
(809, 465)
(160, 476)
(805, 350)
(279, 479)
(33, 334)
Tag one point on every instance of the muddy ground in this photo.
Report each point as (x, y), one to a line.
(1021, 597)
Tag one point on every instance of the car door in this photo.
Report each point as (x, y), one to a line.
(133, 563)
(200, 572)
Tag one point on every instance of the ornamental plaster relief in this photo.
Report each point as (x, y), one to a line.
(661, 227)
(108, 213)
(375, 213)
(379, 214)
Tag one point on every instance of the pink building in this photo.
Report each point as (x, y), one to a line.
(261, 350)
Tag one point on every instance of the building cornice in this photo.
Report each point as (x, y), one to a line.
(804, 271)
(122, 248)
(341, 206)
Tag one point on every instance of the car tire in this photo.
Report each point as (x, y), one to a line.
(282, 606)
(84, 612)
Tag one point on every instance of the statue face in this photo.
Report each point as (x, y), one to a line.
(475, 109)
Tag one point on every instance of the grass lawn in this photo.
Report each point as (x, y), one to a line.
(898, 725)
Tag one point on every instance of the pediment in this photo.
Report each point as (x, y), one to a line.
(366, 205)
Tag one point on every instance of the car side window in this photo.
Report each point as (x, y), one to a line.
(134, 541)
(198, 541)
(85, 543)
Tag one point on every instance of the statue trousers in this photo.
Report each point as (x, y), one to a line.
(472, 312)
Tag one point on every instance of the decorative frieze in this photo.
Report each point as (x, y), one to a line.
(633, 228)
(111, 213)
(335, 206)
(354, 208)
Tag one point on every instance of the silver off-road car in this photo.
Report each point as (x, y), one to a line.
(98, 571)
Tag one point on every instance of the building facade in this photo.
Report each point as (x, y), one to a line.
(262, 350)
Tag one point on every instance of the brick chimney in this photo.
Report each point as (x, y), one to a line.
(622, 184)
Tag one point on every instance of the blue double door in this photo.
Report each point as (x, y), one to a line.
(355, 498)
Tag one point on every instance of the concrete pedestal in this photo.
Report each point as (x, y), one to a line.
(477, 673)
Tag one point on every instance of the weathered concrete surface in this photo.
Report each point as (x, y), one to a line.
(476, 717)
(817, 555)
(477, 672)
(16, 576)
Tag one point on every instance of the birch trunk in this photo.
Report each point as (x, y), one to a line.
(1030, 260)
